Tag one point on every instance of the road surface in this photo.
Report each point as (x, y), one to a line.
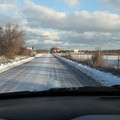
(43, 73)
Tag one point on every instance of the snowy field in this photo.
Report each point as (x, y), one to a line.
(112, 59)
(106, 79)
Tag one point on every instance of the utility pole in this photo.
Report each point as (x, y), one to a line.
(32, 47)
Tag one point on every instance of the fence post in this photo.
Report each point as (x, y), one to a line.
(80, 56)
(99, 57)
(107, 58)
(118, 60)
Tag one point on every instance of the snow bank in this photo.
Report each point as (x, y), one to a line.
(16, 62)
(7, 66)
(106, 79)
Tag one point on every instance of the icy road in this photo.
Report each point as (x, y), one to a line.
(43, 73)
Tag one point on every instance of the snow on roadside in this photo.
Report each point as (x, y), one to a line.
(106, 79)
(14, 63)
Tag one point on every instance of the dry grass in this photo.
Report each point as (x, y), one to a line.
(4, 59)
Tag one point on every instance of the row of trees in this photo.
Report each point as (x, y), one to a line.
(42, 51)
(11, 40)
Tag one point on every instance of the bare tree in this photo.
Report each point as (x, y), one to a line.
(97, 58)
(2, 42)
(11, 40)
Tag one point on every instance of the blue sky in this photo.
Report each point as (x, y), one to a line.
(68, 24)
(87, 5)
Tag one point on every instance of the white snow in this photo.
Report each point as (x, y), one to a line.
(14, 63)
(106, 79)
(19, 60)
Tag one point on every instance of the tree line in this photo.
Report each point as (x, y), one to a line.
(12, 40)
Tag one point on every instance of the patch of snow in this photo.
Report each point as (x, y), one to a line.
(14, 63)
(106, 79)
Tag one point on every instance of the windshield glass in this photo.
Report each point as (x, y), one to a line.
(59, 44)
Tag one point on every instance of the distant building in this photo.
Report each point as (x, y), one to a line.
(54, 50)
(75, 51)
(29, 48)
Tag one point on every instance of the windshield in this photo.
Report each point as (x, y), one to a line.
(59, 44)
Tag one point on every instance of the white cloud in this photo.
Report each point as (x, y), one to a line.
(114, 4)
(82, 29)
(39, 16)
(8, 1)
(72, 2)
(11, 13)
(41, 10)
(48, 27)
(52, 42)
(32, 41)
(10, 7)
(53, 35)
(88, 35)
(10, 19)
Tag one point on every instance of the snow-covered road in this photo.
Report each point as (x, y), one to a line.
(43, 73)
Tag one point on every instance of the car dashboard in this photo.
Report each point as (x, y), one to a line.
(60, 107)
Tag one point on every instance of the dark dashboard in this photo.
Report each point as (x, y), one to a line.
(60, 107)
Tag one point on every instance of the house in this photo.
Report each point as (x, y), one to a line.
(75, 51)
(54, 50)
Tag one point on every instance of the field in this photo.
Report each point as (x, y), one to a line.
(112, 60)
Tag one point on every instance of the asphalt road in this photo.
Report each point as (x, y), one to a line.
(43, 73)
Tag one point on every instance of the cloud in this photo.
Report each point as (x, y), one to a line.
(8, 1)
(10, 10)
(32, 41)
(41, 16)
(46, 27)
(72, 2)
(82, 21)
(78, 30)
(10, 7)
(11, 13)
(73, 40)
(114, 4)
(45, 35)
(13, 20)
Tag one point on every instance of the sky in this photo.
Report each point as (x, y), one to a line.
(67, 24)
